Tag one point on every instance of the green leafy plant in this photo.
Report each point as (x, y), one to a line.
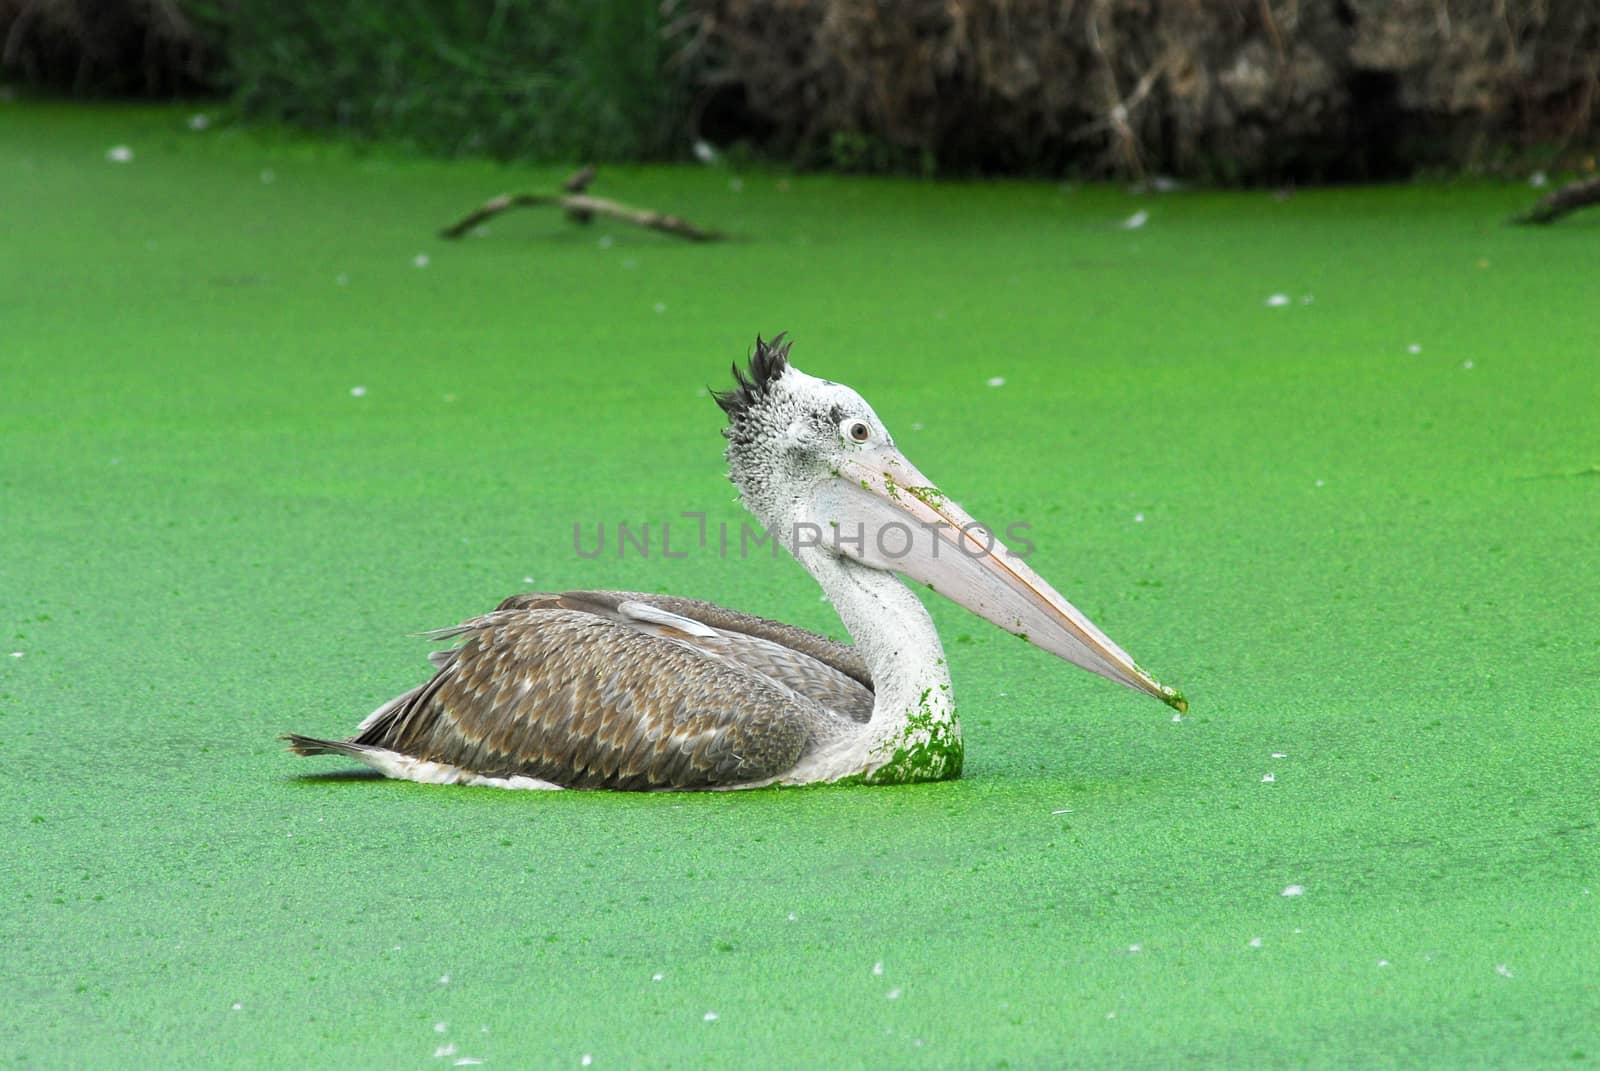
(530, 79)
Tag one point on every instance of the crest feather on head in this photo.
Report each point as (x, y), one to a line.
(769, 361)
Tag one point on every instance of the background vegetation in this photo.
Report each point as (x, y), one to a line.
(1232, 90)
(511, 79)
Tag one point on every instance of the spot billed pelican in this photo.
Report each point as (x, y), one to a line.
(623, 690)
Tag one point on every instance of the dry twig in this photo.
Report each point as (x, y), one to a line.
(1569, 198)
(580, 207)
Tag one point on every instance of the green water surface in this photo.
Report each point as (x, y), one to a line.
(1360, 529)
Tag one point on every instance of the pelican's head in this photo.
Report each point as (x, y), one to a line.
(789, 432)
(817, 467)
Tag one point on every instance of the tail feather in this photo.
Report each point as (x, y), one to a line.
(311, 745)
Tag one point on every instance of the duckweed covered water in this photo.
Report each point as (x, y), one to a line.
(255, 431)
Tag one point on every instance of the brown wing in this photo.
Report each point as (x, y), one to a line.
(579, 699)
(813, 665)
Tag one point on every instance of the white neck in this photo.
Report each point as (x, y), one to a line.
(913, 727)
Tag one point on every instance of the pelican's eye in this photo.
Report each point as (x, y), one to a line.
(860, 432)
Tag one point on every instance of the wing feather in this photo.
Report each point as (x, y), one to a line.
(810, 664)
(564, 695)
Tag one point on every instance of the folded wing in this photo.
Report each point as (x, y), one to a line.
(623, 690)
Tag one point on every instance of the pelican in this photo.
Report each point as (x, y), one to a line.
(624, 690)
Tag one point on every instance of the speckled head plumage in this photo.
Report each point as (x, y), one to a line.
(769, 362)
(787, 430)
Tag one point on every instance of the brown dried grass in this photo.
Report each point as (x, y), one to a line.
(1230, 89)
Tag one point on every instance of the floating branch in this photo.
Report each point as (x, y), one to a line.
(1569, 198)
(580, 207)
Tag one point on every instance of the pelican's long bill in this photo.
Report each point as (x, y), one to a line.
(883, 512)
